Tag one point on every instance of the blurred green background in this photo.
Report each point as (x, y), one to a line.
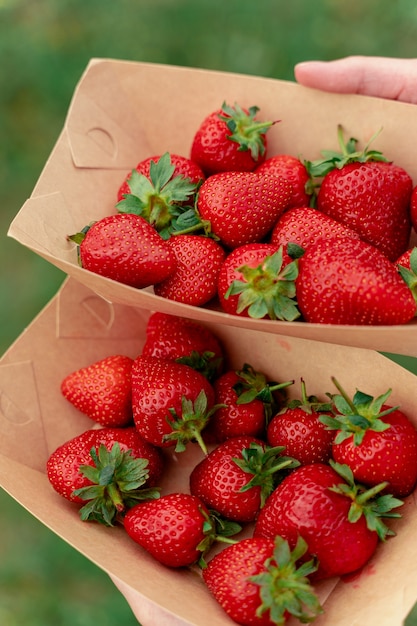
(44, 48)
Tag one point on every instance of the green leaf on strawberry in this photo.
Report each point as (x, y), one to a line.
(117, 479)
(244, 129)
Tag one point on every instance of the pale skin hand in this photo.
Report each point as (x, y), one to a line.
(391, 78)
(146, 612)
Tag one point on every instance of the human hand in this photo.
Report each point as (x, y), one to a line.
(145, 611)
(391, 78)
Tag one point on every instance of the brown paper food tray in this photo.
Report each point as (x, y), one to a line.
(76, 328)
(123, 111)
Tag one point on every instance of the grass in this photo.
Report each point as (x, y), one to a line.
(47, 45)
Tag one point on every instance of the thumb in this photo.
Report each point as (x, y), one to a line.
(391, 78)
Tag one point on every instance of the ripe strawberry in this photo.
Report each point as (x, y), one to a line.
(183, 166)
(172, 402)
(259, 582)
(125, 248)
(297, 427)
(194, 280)
(102, 390)
(304, 226)
(242, 207)
(235, 478)
(413, 208)
(407, 266)
(372, 437)
(368, 194)
(253, 283)
(107, 469)
(246, 401)
(347, 281)
(340, 521)
(230, 139)
(185, 341)
(177, 529)
(163, 199)
(295, 172)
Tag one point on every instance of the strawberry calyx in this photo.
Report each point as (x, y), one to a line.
(309, 404)
(193, 419)
(244, 129)
(216, 529)
(163, 200)
(354, 417)
(253, 385)
(284, 586)
(206, 363)
(367, 502)
(268, 290)
(410, 275)
(267, 466)
(348, 154)
(118, 480)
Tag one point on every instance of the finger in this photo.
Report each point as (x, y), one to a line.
(395, 79)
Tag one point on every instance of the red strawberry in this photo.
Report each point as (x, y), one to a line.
(304, 226)
(298, 429)
(235, 478)
(407, 267)
(102, 390)
(198, 261)
(172, 402)
(177, 529)
(340, 522)
(253, 283)
(107, 469)
(184, 167)
(258, 582)
(376, 440)
(413, 208)
(347, 281)
(230, 139)
(185, 341)
(295, 172)
(242, 207)
(163, 199)
(246, 401)
(368, 194)
(125, 248)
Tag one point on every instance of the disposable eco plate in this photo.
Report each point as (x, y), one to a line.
(77, 328)
(123, 111)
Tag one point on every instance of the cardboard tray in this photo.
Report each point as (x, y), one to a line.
(123, 111)
(78, 327)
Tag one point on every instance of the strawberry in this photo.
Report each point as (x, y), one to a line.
(235, 478)
(253, 283)
(367, 193)
(242, 207)
(295, 172)
(198, 261)
(172, 402)
(371, 437)
(407, 267)
(177, 529)
(102, 390)
(125, 248)
(303, 226)
(340, 521)
(297, 427)
(185, 341)
(230, 139)
(164, 197)
(246, 401)
(413, 208)
(259, 582)
(183, 166)
(108, 470)
(347, 281)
